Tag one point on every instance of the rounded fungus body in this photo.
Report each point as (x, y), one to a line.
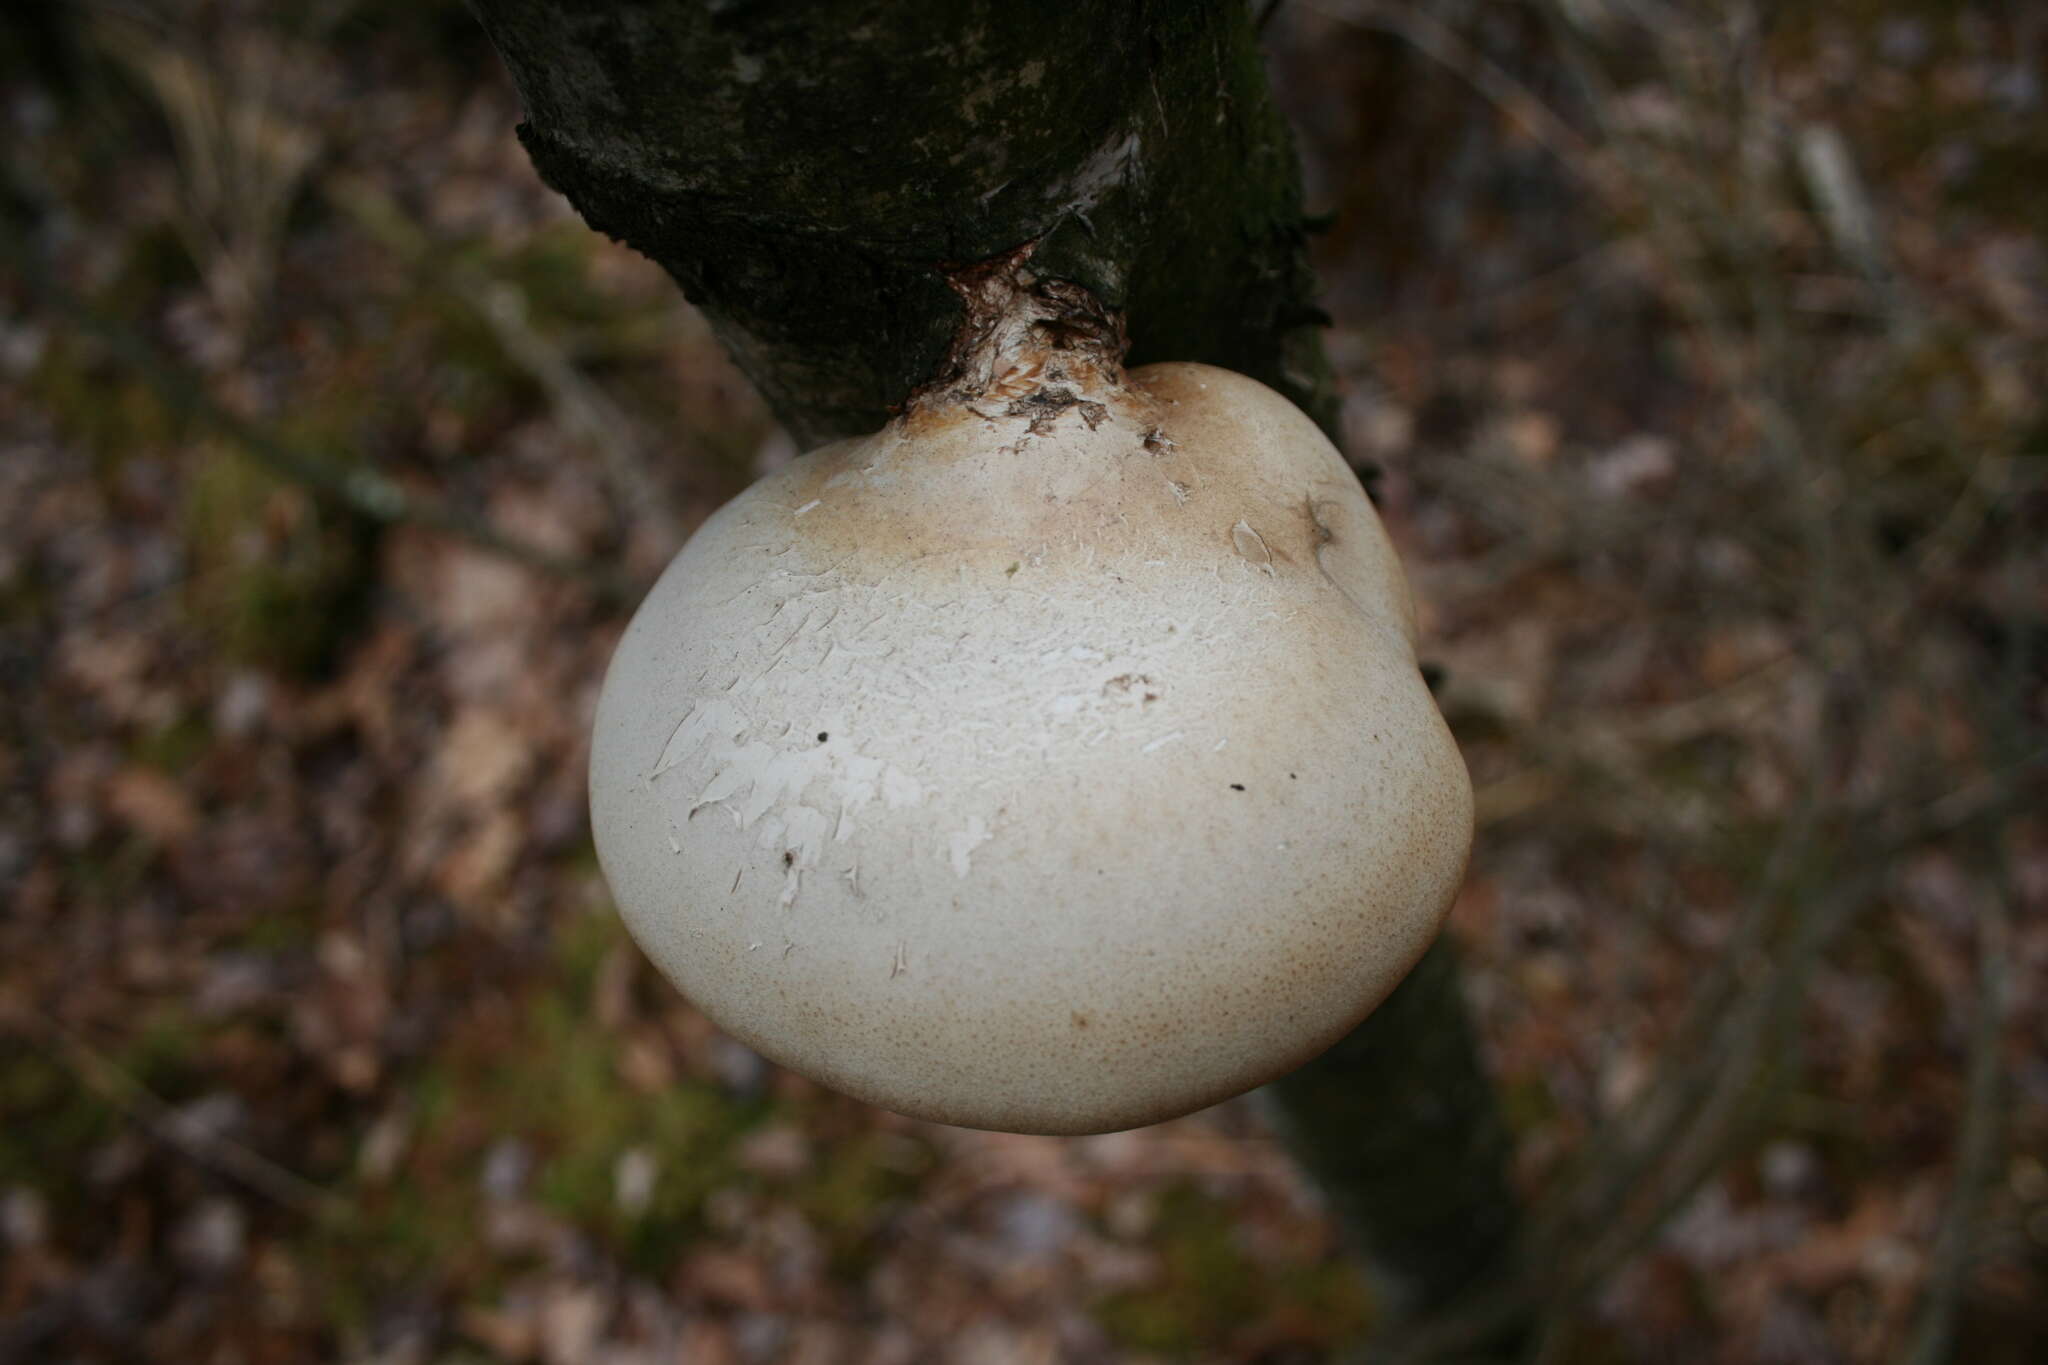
(1054, 760)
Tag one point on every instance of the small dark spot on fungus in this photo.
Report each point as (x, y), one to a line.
(1237, 786)
(789, 857)
(1148, 691)
(1319, 532)
(1080, 1020)
(1291, 777)
(823, 736)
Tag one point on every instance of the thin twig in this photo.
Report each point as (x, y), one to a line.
(582, 406)
(215, 1151)
(1435, 39)
(1846, 209)
(365, 492)
(1978, 1142)
(1560, 1268)
(1976, 1148)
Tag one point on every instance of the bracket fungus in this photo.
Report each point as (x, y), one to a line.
(1053, 760)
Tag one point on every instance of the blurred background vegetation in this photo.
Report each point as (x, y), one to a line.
(1701, 350)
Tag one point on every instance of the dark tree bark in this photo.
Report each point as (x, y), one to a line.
(805, 172)
(1398, 1124)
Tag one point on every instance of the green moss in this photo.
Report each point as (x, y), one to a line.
(562, 1092)
(176, 745)
(1209, 1289)
(1701, 767)
(46, 1119)
(291, 926)
(565, 1095)
(109, 877)
(94, 403)
(1214, 1296)
(581, 947)
(552, 1084)
(1527, 1103)
(278, 579)
(95, 408)
(51, 1111)
(852, 1186)
(473, 374)
(166, 1053)
(409, 1233)
(552, 270)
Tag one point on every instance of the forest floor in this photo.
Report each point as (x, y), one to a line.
(1705, 372)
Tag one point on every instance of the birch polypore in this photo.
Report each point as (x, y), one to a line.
(1053, 760)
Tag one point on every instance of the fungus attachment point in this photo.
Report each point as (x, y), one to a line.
(1065, 626)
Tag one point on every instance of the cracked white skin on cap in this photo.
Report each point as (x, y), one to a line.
(1054, 765)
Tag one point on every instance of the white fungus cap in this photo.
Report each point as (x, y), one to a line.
(1055, 767)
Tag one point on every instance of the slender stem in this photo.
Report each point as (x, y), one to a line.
(215, 1151)
(1977, 1148)
(1400, 1126)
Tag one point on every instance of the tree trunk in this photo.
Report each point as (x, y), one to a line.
(1399, 1126)
(804, 172)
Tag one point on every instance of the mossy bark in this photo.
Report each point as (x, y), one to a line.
(808, 173)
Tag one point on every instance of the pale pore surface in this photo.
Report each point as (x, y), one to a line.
(920, 769)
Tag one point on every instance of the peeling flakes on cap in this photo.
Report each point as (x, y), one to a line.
(917, 674)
